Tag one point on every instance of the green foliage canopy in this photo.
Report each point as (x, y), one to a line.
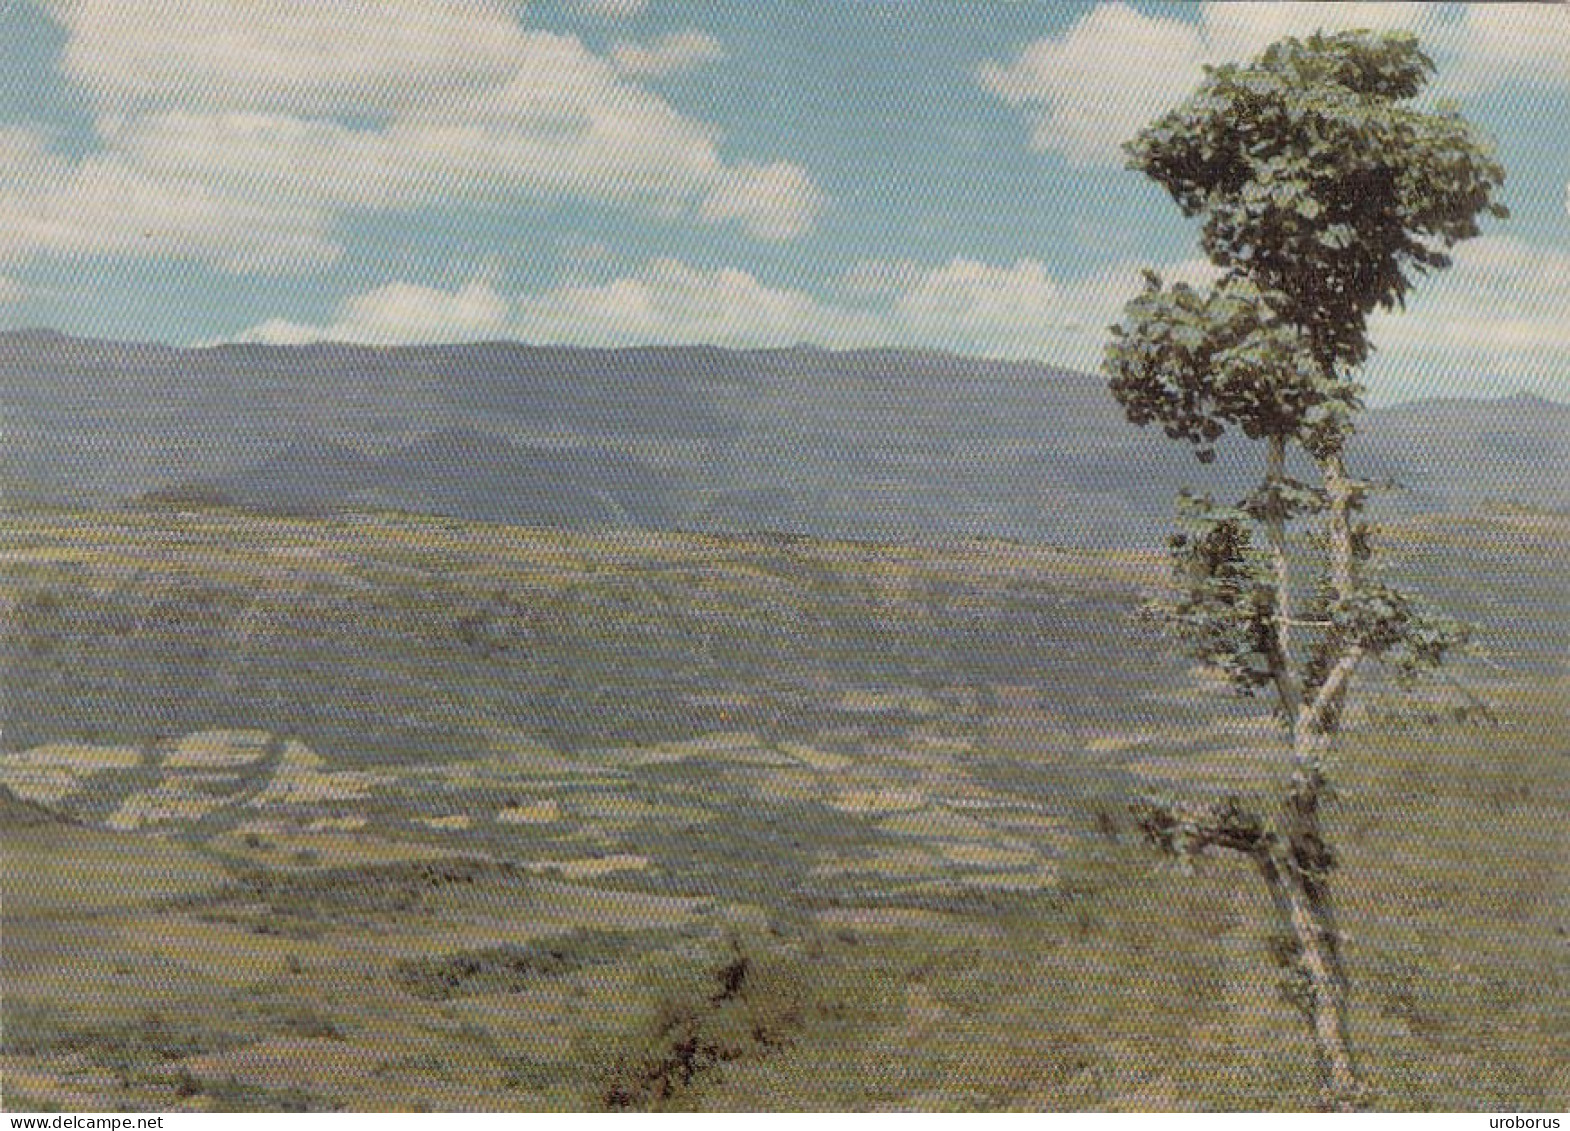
(1323, 191)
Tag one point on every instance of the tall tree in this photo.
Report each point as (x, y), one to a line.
(1324, 190)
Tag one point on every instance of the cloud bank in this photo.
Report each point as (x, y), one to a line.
(241, 135)
(999, 310)
(1502, 310)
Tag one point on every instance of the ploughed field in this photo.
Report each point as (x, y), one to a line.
(384, 810)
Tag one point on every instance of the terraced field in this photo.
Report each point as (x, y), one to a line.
(395, 811)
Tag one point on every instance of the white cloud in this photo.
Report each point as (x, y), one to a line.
(27, 168)
(1501, 294)
(999, 305)
(668, 55)
(1090, 89)
(241, 135)
(670, 301)
(282, 332)
(22, 151)
(1501, 312)
(404, 312)
(1010, 311)
(775, 202)
(1497, 322)
(667, 301)
(106, 205)
(1020, 311)
(1015, 310)
(304, 56)
(563, 125)
(397, 314)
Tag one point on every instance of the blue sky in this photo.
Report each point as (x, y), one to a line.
(927, 173)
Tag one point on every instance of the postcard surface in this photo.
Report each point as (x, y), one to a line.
(680, 555)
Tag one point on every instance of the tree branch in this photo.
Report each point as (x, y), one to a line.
(1187, 829)
(1342, 493)
(1315, 715)
(1281, 664)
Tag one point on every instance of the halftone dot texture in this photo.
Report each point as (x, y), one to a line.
(571, 557)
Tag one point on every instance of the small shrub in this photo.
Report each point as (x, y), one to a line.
(751, 1000)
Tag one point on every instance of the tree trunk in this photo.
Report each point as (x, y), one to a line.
(1282, 664)
(1303, 904)
(1342, 496)
(1297, 867)
(1292, 857)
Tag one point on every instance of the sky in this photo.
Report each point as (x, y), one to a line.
(918, 173)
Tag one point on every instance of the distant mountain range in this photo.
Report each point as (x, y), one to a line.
(878, 444)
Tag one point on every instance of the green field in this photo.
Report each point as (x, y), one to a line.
(387, 811)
